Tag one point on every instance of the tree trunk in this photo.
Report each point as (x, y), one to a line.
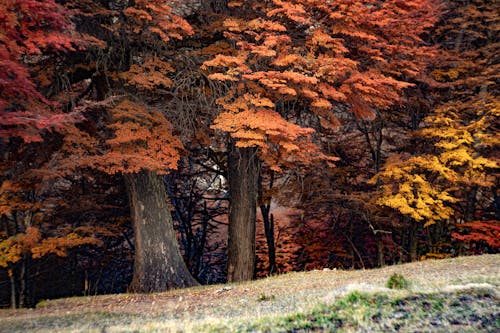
(243, 176)
(158, 264)
(380, 251)
(268, 219)
(269, 231)
(413, 241)
(12, 279)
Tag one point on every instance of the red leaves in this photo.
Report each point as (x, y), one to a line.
(30, 27)
(479, 231)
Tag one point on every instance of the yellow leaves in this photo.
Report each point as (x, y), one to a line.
(13, 248)
(416, 198)
(405, 187)
(59, 245)
(423, 187)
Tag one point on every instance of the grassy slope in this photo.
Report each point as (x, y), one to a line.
(460, 295)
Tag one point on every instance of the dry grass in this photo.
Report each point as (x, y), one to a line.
(256, 305)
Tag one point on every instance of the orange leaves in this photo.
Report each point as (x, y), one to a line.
(150, 75)
(324, 39)
(157, 17)
(142, 140)
(260, 24)
(225, 61)
(260, 127)
(137, 138)
(282, 82)
(327, 52)
(330, 92)
(321, 103)
(137, 14)
(236, 65)
(293, 11)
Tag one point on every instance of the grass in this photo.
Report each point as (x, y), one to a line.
(451, 295)
(473, 310)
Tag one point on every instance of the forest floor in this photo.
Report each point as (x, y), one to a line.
(451, 295)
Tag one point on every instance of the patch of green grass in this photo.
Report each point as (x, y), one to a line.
(381, 313)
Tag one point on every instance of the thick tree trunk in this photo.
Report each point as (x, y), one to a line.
(243, 174)
(158, 264)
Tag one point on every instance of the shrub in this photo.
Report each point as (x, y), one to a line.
(397, 281)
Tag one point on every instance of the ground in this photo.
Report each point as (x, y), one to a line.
(451, 295)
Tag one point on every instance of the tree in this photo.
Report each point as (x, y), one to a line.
(137, 140)
(30, 30)
(453, 175)
(326, 57)
(128, 137)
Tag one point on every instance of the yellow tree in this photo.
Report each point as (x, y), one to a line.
(456, 177)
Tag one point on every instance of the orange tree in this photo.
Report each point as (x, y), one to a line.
(112, 85)
(299, 63)
(126, 131)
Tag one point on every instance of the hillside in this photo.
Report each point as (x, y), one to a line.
(460, 295)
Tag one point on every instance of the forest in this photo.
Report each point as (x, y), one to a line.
(154, 145)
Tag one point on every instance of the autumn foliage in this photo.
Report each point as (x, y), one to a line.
(30, 30)
(368, 131)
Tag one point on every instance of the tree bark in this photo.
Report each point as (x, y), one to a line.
(269, 231)
(158, 264)
(243, 176)
(413, 239)
(380, 251)
(268, 219)
(12, 279)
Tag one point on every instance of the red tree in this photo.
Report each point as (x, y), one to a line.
(29, 30)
